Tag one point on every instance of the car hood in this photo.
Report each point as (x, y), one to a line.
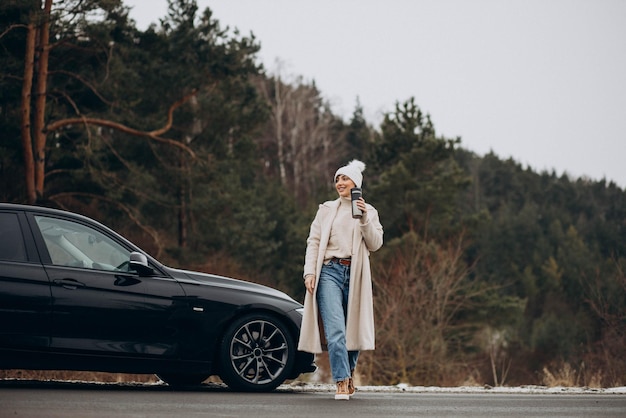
(205, 279)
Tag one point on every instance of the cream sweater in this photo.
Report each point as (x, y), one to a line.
(340, 241)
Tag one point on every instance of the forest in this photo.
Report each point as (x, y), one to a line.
(177, 137)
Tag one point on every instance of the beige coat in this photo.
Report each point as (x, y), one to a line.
(360, 321)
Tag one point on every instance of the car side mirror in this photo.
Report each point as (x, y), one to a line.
(139, 263)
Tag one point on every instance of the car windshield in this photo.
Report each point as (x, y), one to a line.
(75, 245)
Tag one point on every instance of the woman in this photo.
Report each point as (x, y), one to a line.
(338, 280)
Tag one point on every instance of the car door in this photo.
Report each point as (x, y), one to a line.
(99, 306)
(25, 301)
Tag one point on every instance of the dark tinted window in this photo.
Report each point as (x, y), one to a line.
(11, 240)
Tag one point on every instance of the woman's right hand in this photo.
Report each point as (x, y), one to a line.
(309, 283)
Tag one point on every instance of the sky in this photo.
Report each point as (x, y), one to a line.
(540, 81)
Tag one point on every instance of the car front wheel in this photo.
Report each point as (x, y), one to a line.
(257, 353)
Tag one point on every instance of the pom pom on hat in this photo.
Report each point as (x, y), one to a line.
(354, 170)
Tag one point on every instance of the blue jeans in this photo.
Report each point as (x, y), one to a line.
(332, 301)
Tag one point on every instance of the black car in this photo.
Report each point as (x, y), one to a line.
(75, 295)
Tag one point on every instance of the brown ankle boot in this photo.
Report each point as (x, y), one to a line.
(351, 388)
(342, 393)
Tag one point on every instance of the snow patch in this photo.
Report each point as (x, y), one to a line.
(403, 387)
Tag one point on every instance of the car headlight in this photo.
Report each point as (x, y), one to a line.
(300, 310)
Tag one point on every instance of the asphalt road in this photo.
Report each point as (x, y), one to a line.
(54, 399)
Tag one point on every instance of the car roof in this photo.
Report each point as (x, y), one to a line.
(44, 209)
(19, 206)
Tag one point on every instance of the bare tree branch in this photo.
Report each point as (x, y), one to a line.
(117, 126)
(91, 87)
(11, 27)
(170, 113)
(155, 135)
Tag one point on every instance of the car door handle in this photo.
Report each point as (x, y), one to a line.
(69, 283)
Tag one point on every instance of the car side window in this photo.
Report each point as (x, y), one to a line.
(73, 244)
(11, 239)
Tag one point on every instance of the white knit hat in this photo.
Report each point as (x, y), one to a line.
(352, 170)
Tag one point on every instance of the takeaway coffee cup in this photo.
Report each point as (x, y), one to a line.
(355, 194)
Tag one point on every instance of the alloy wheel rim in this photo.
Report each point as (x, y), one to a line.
(259, 352)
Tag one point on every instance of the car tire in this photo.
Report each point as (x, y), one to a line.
(257, 353)
(175, 379)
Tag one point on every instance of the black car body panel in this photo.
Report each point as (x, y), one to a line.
(69, 299)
